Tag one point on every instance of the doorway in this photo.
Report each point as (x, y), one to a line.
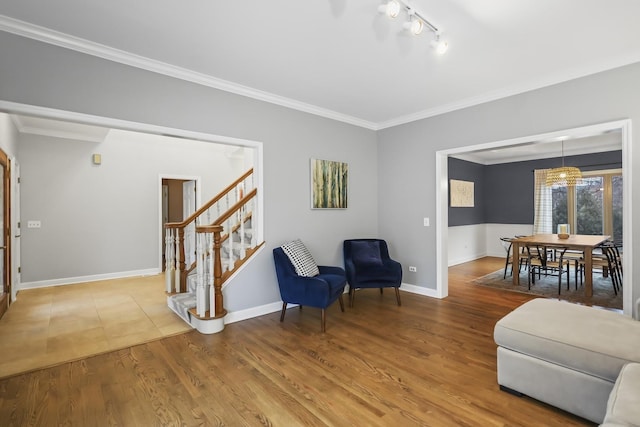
(442, 221)
(179, 202)
(5, 237)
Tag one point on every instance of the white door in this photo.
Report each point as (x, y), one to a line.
(188, 198)
(188, 208)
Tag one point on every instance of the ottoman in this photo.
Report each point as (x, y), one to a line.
(564, 354)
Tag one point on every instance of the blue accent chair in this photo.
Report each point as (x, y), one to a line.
(368, 265)
(319, 291)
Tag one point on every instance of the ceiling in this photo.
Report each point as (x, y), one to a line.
(567, 145)
(341, 58)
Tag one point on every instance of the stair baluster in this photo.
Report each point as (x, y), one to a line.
(203, 306)
(201, 277)
(169, 263)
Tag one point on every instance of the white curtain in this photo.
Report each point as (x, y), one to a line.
(543, 215)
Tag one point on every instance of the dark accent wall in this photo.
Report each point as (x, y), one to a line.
(474, 172)
(507, 193)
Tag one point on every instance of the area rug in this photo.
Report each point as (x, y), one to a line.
(603, 295)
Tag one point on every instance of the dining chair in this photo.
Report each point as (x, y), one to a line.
(523, 258)
(541, 263)
(609, 262)
(575, 257)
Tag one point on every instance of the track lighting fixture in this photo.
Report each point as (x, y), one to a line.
(391, 8)
(440, 46)
(415, 25)
(416, 22)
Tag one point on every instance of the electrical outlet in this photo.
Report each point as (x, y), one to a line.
(412, 269)
(426, 221)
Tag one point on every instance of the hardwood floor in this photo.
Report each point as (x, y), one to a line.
(429, 362)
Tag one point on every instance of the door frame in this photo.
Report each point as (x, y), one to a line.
(5, 297)
(88, 119)
(162, 176)
(442, 194)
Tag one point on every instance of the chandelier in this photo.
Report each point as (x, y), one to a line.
(564, 176)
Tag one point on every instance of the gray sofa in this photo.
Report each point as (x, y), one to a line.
(571, 356)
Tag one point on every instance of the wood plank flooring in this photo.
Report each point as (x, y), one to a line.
(429, 362)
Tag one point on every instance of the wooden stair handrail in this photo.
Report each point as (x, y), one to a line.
(210, 203)
(215, 229)
(236, 207)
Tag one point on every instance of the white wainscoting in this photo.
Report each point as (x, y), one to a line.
(469, 242)
(495, 231)
(466, 243)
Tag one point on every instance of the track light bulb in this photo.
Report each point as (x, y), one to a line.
(414, 25)
(440, 46)
(417, 26)
(392, 8)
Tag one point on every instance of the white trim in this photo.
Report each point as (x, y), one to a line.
(250, 313)
(91, 278)
(162, 176)
(442, 225)
(54, 114)
(510, 91)
(420, 290)
(46, 35)
(627, 220)
(442, 208)
(50, 113)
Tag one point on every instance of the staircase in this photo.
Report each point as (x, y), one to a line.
(205, 250)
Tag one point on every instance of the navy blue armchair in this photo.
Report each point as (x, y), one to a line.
(319, 291)
(368, 265)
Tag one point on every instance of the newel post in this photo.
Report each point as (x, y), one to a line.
(217, 271)
(180, 257)
(216, 309)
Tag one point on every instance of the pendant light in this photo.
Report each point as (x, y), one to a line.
(565, 176)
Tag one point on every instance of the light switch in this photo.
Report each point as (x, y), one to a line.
(426, 222)
(34, 224)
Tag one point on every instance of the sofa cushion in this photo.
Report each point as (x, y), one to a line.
(301, 258)
(623, 407)
(593, 341)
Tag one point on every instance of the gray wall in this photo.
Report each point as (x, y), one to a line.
(391, 189)
(406, 173)
(105, 219)
(504, 192)
(38, 74)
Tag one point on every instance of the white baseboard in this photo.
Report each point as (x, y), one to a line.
(468, 258)
(83, 279)
(419, 290)
(249, 313)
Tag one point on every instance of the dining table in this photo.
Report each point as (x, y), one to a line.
(581, 242)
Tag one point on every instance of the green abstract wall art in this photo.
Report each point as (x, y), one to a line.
(329, 181)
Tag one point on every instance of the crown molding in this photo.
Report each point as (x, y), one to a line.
(529, 86)
(46, 35)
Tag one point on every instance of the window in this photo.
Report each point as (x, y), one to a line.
(594, 207)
